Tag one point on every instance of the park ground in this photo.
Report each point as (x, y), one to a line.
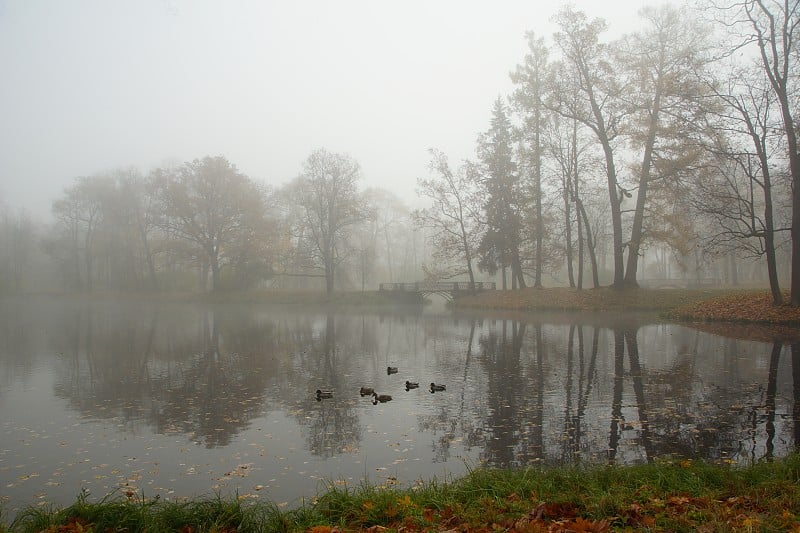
(704, 305)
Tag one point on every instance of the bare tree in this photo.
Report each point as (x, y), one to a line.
(771, 26)
(454, 218)
(739, 193)
(569, 152)
(329, 208)
(586, 64)
(79, 214)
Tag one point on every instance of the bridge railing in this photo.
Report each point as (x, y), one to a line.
(450, 286)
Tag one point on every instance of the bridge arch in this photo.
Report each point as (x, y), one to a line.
(449, 290)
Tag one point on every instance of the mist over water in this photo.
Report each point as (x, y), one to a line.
(180, 401)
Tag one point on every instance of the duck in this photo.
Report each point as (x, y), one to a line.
(391, 370)
(322, 394)
(367, 391)
(411, 385)
(437, 388)
(383, 398)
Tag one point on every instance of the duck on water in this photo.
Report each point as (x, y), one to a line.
(382, 398)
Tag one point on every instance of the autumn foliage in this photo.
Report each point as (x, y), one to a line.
(703, 305)
(741, 307)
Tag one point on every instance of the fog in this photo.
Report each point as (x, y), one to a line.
(91, 86)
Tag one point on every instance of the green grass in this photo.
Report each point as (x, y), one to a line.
(662, 496)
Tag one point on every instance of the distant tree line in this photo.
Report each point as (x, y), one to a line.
(204, 225)
(678, 140)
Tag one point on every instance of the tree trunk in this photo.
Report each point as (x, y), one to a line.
(641, 197)
(580, 250)
(88, 259)
(575, 185)
(777, 69)
(613, 196)
(568, 238)
(151, 267)
(329, 277)
(537, 280)
(467, 253)
(516, 271)
(590, 245)
(769, 237)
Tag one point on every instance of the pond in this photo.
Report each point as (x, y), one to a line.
(178, 400)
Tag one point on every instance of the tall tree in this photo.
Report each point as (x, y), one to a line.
(739, 193)
(569, 150)
(663, 61)
(211, 206)
(529, 79)
(500, 246)
(772, 26)
(454, 218)
(586, 63)
(330, 206)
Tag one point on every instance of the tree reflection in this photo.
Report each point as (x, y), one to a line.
(626, 338)
(206, 399)
(514, 424)
(555, 392)
(332, 426)
(443, 426)
(446, 426)
(772, 387)
(582, 387)
(202, 389)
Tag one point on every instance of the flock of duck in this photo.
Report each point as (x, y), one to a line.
(323, 394)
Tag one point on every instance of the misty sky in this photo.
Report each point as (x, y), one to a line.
(89, 86)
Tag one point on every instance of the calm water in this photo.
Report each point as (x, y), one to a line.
(179, 400)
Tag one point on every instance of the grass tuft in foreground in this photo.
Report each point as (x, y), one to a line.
(679, 495)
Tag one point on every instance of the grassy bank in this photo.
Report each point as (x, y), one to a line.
(665, 496)
(696, 305)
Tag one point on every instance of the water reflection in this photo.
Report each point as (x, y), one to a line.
(239, 382)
